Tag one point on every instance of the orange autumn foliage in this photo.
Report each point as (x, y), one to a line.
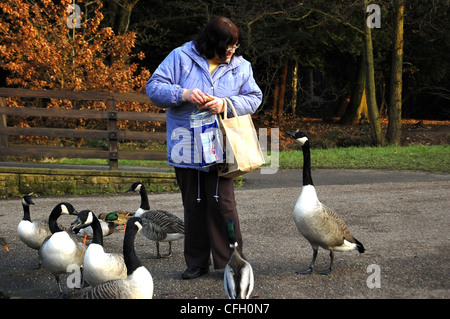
(40, 51)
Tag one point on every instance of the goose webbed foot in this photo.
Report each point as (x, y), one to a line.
(308, 271)
(169, 254)
(325, 272)
(158, 254)
(329, 270)
(164, 256)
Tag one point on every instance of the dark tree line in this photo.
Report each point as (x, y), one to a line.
(308, 56)
(318, 57)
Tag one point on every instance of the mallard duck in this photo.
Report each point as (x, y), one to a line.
(139, 282)
(118, 217)
(4, 243)
(317, 223)
(238, 276)
(160, 225)
(98, 266)
(62, 248)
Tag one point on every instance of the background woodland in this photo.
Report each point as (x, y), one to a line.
(312, 59)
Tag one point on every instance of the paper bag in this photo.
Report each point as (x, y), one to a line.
(242, 150)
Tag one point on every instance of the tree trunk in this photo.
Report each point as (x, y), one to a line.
(282, 89)
(374, 116)
(294, 87)
(311, 83)
(395, 101)
(353, 111)
(122, 15)
(276, 96)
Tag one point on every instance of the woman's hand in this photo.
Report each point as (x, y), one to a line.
(216, 105)
(194, 96)
(204, 101)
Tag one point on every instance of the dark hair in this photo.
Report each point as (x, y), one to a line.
(216, 36)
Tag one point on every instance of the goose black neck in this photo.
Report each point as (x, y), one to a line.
(97, 230)
(52, 220)
(307, 179)
(131, 260)
(26, 213)
(144, 198)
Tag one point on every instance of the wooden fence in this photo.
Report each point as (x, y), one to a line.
(112, 134)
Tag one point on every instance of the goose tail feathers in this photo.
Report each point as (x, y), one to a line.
(359, 246)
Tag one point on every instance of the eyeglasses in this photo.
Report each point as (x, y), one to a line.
(233, 48)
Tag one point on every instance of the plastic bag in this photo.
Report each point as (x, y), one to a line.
(208, 139)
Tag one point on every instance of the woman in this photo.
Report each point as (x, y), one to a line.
(195, 76)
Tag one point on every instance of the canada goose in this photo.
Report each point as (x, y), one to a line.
(139, 282)
(62, 248)
(238, 275)
(317, 223)
(4, 243)
(32, 233)
(98, 266)
(160, 225)
(107, 228)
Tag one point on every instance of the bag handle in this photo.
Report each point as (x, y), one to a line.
(226, 102)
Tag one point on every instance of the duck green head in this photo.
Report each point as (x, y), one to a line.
(111, 217)
(231, 232)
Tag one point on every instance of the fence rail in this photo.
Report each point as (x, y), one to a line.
(112, 134)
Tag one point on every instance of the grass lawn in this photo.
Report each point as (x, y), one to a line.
(414, 157)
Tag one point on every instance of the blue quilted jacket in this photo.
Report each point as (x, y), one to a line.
(183, 69)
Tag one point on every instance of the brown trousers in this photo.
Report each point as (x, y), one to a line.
(205, 220)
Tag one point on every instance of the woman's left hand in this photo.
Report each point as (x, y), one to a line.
(215, 104)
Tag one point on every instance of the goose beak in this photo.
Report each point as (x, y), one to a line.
(6, 247)
(74, 225)
(290, 134)
(73, 213)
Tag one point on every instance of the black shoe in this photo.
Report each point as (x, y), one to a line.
(194, 272)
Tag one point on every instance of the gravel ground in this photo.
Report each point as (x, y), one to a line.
(402, 218)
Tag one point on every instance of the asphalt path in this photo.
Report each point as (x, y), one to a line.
(401, 217)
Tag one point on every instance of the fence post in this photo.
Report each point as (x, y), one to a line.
(112, 135)
(3, 137)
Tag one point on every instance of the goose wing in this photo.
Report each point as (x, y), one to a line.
(336, 228)
(165, 221)
(42, 229)
(107, 290)
(230, 285)
(80, 246)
